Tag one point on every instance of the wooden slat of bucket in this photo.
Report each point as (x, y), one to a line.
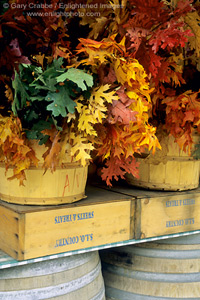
(153, 271)
(65, 185)
(173, 175)
(174, 170)
(70, 278)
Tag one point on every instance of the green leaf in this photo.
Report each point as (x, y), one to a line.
(35, 131)
(31, 134)
(38, 97)
(61, 102)
(77, 76)
(30, 115)
(43, 139)
(20, 95)
(57, 63)
(34, 135)
(28, 71)
(45, 81)
(56, 124)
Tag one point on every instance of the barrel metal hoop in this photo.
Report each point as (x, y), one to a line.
(161, 253)
(53, 291)
(100, 295)
(116, 294)
(150, 276)
(46, 267)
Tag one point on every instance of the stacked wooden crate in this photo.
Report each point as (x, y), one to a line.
(29, 231)
(106, 216)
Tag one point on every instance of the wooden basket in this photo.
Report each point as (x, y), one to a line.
(169, 169)
(65, 185)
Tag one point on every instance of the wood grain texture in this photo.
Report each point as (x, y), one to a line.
(169, 169)
(162, 212)
(43, 230)
(65, 185)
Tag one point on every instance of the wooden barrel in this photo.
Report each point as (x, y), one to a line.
(65, 185)
(70, 278)
(165, 270)
(169, 169)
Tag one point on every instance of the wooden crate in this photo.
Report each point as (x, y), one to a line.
(33, 231)
(162, 213)
(107, 216)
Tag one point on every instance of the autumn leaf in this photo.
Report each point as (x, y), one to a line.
(116, 168)
(18, 155)
(120, 112)
(184, 140)
(154, 63)
(106, 76)
(86, 120)
(170, 37)
(182, 8)
(182, 114)
(136, 36)
(95, 111)
(59, 51)
(51, 156)
(189, 116)
(122, 93)
(192, 19)
(81, 149)
(97, 26)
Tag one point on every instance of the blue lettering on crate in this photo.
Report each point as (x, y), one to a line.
(74, 240)
(181, 222)
(180, 202)
(74, 217)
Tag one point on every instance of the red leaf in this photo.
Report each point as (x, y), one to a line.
(171, 36)
(155, 9)
(162, 75)
(183, 7)
(121, 113)
(118, 167)
(123, 96)
(155, 63)
(189, 116)
(136, 35)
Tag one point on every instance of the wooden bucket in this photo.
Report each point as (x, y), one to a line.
(65, 185)
(169, 169)
(164, 270)
(70, 278)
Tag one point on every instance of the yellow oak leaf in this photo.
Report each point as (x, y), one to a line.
(80, 149)
(95, 112)
(97, 26)
(193, 19)
(86, 121)
(101, 95)
(13, 150)
(130, 72)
